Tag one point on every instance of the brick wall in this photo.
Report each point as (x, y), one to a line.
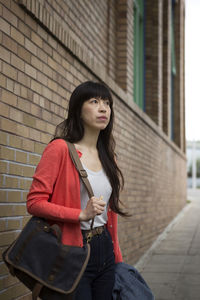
(179, 101)
(154, 60)
(166, 71)
(46, 49)
(124, 45)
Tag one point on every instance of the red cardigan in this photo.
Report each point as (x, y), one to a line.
(55, 195)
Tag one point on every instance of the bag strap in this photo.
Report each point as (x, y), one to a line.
(77, 162)
(36, 290)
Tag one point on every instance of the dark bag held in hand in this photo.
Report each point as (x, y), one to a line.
(37, 257)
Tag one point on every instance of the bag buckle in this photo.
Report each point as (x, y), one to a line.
(89, 236)
(83, 173)
(46, 228)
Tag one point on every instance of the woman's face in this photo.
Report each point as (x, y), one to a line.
(95, 113)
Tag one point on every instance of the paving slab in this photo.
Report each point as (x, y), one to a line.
(171, 267)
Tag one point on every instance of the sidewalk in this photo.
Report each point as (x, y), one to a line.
(172, 266)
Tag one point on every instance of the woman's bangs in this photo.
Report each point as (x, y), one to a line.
(97, 90)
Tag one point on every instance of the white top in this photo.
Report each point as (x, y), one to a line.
(101, 187)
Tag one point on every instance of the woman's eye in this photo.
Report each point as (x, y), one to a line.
(107, 102)
(94, 101)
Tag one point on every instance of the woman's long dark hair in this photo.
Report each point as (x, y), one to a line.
(72, 130)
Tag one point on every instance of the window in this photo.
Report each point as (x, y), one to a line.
(139, 53)
(173, 68)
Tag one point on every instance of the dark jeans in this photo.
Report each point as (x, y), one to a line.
(98, 279)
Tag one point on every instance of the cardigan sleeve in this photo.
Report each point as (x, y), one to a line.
(44, 179)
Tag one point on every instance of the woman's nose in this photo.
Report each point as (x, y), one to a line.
(102, 106)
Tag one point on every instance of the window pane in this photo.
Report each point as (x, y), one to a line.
(139, 52)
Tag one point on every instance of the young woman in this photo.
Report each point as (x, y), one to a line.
(58, 194)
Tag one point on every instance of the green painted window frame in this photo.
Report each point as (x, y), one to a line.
(139, 53)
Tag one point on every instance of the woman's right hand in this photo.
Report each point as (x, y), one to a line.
(95, 206)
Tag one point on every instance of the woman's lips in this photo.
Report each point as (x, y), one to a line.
(102, 118)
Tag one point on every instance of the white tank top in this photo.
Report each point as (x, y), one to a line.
(101, 187)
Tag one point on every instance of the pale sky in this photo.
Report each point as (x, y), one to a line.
(192, 69)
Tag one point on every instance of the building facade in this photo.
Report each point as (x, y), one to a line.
(48, 47)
